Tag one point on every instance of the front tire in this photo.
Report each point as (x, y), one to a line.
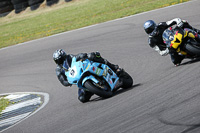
(194, 49)
(97, 90)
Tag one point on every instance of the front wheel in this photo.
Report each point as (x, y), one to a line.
(100, 90)
(193, 48)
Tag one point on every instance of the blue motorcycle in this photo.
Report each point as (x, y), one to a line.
(96, 77)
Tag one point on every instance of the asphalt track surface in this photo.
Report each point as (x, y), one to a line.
(163, 99)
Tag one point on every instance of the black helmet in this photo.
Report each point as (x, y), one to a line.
(59, 56)
(149, 26)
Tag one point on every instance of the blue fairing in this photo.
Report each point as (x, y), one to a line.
(81, 71)
(90, 78)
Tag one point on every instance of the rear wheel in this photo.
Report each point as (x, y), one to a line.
(100, 90)
(127, 80)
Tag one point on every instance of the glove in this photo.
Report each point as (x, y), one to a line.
(180, 22)
(165, 52)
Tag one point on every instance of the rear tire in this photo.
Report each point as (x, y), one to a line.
(127, 80)
(97, 90)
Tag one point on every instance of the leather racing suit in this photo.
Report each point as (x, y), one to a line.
(181, 37)
(155, 38)
(83, 95)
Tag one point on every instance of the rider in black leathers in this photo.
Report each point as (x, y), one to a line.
(60, 56)
(155, 37)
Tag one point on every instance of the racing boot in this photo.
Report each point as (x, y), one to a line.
(112, 66)
(120, 72)
(84, 96)
(178, 60)
(97, 57)
(196, 30)
(190, 27)
(197, 38)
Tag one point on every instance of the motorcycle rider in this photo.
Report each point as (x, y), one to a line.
(173, 38)
(155, 36)
(60, 57)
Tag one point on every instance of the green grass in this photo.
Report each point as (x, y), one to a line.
(62, 17)
(3, 104)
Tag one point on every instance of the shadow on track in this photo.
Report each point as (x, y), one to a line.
(189, 129)
(125, 90)
(191, 61)
(120, 91)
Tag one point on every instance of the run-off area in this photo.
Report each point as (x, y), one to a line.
(21, 106)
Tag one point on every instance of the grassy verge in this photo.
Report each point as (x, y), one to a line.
(62, 17)
(3, 104)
